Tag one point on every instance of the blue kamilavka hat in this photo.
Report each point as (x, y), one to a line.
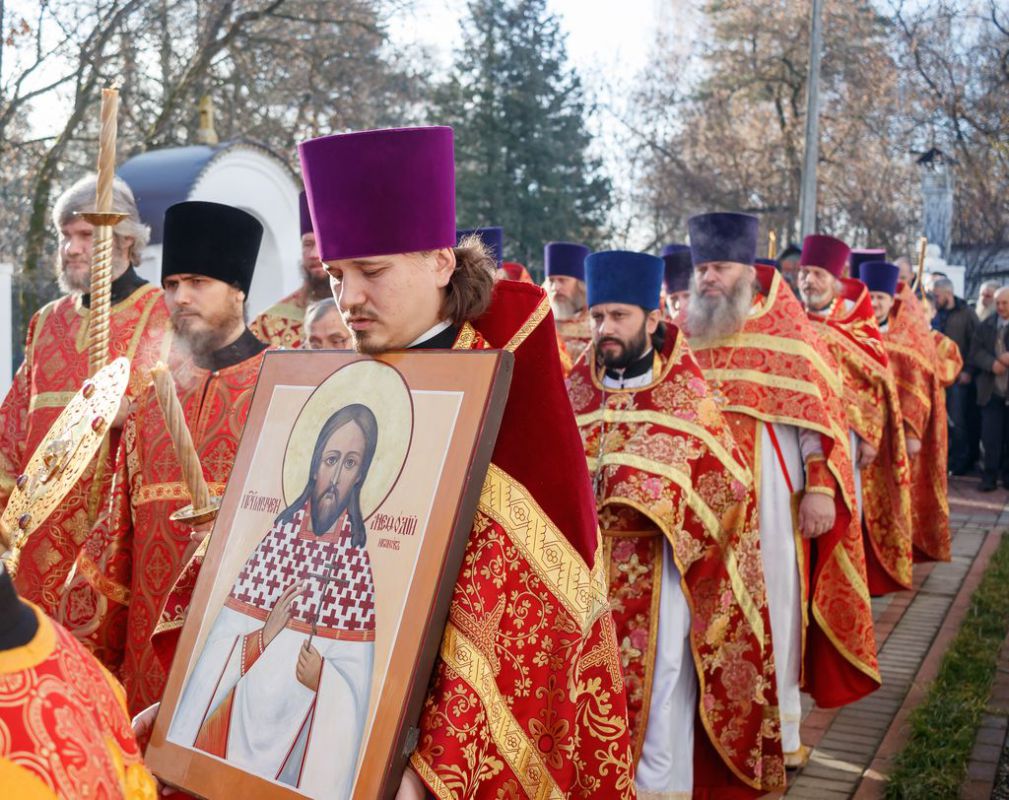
(723, 236)
(565, 258)
(620, 276)
(679, 267)
(492, 237)
(858, 257)
(879, 276)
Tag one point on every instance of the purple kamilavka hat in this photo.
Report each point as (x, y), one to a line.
(376, 193)
(304, 215)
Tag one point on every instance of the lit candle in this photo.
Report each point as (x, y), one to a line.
(182, 440)
(107, 149)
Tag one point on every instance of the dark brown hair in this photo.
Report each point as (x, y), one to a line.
(468, 294)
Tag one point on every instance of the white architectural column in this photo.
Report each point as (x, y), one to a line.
(6, 322)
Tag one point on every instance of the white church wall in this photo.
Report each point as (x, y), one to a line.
(250, 179)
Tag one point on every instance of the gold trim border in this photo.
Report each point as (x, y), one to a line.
(581, 590)
(464, 658)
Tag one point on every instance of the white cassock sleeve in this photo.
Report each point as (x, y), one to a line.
(217, 671)
(341, 714)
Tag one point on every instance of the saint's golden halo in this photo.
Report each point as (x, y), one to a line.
(371, 383)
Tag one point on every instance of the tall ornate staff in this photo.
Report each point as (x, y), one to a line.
(922, 246)
(104, 219)
(772, 245)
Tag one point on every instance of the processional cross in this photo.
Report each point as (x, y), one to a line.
(327, 578)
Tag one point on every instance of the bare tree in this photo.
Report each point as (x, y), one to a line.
(279, 71)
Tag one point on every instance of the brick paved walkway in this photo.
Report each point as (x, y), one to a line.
(854, 746)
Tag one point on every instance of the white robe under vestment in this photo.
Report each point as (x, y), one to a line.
(666, 766)
(277, 727)
(778, 550)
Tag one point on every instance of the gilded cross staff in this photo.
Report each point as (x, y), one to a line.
(326, 578)
(104, 219)
(772, 245)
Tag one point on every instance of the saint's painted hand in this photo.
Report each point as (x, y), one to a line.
(309, 669)
(866, 454)
(913, 446)
(281, 613)
(816, 514)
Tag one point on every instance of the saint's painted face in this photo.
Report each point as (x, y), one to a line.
(817, 287)
(882, 303)
(621, 332)
(338, 474)
(389, 301)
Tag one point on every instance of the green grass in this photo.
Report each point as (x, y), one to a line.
(933, 763)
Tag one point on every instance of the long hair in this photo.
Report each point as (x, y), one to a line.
(81, 197)
(469, 291)
(365, 419)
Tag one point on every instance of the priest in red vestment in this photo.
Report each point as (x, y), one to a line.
(564, 265)
(56, 365)
(842, 314)
(920, 372)
(676, 283)
(781, 391)
(282, 324)
(66, 733)
(135, 577)
(685, 578)
(526, 697)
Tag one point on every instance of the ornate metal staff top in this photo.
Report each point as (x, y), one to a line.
(63, 455)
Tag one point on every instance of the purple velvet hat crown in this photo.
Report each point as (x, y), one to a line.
(565, 258)
(679, 267)
(824, 252)
(304, 215)
(859, 257)
(382, 192)
(492, 238)
(879, 276)
(620, 276)
(723, 236)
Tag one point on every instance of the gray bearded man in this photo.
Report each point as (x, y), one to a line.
(294, 642)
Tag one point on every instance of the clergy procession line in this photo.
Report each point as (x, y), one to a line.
(729, 461)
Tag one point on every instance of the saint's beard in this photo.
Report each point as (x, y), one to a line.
(327, 508)
(629, 352)
(712, 317)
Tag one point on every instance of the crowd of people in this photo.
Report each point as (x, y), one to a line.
(719, 460)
